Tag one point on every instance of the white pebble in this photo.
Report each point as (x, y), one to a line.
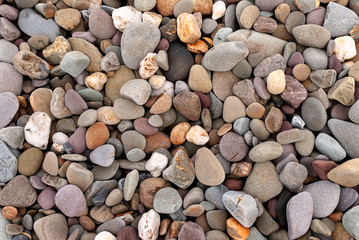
(59, 138)
(157, 81)
(168, 88)
(153, 18)
(148, 225)
(344, 48)
(124, 16)
(104, 235)
(197, 135)
(148, 66)
(37, 129)
(156, 164)
(96, 81)
(219, 9)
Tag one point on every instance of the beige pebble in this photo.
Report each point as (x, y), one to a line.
(107, 116)
(197, 135)
(96, 81)
(157, 81)
(218, 10)
(276, 82)
(344, 48)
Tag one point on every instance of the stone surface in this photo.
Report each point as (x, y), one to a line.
(18, 193)
(72, 208)
(52, 226)
(329, 147)
(346, 173)
(208, 169)
(37, 130)
(167, 200)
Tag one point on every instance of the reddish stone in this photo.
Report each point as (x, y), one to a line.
(294, 93)
(271, 205)
(157, 140)
(233, 184)
(142, 126)
(323, 167)
(205, 100)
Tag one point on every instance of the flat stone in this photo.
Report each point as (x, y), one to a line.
(37, 129)
(10, 79)
(263, 176)
(314, 114)
(208, 169)
(293, 176)
(233, 147)
(137, 90)
(268, 65)
(167, 200)
(325, 195)
(228, 54)
(315, 58)
(130, 185)
(311, 35)
(265, 151)
(76, 206)
(329, 147)
(13, 136)
(18, 193)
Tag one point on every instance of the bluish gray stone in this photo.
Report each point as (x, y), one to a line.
(32, 23)
(167, 200)
(8, 163)
(347, 198)
(214, 195)
(221, 34)
(103, 155)
(339, 19)
(74, 63)
(241, 125)
(329, 147)
(3, 224)
(7, 51)
(242, 206)
(351, 222)
(13, 136)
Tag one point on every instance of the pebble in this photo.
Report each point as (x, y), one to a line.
(350, 221)
(315, 58)
(233, 109)
(263, 176)
(80, 176)
(148, 225)
(199, 80)
(8, 30)
(347, 197)
(68, 18)
(345, 174)
(191, 230)
(156, 164)
(15, 85)
(335, 12)
(52, 226)
(37, 129)
(18, 193)
(219, 9)
(46, 198)
(325, 196)
(268, 65)
(248, 16)
(97, 16)
(127, 109)
(187, 28)
(167, 200)
(55, 52)
(313, 114)
(265, 151)
(312, 35)
(36, 67)
(293, 175)
(13, 136)
(197, 135)
(233, 147)
(75, 207)
(137, 90)
(105, 235)
(276, 82)
(299, 214)
(343, 91)
(32, 23)
(228, 54)
(131, 182)
(236, 230)
(188, 104)
(208, 165)
(242, 206)
(124, 16)
(132, 44)
(74, 63)
(329, 147)
(223, 83)
(181, 171)
(8, 163)
(7, 51)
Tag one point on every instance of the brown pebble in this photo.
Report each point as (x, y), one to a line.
(165, 223)
(301, 71)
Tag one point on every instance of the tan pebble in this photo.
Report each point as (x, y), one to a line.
(248, 16)
(68, 18)
(199, 80)
(233, 108)
(343, 91)
(276, 82)
(179, 132)
(87, 223)
(187, 28)
(301, 71)
(157, 81)
(165, 223)
(282, 11)
(197, 135)
(96, 81)
(107, 116)
(162, 104)
(274, 120)
(224, 129)
(255, 110)
(201, 45)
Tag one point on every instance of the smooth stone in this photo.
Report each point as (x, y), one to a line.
(242, 206)
(74, 63)
(353, 113)
(87, 118)
(51, 227)
(221, 35)
(103, 155)
(293, 175)
(18, 193)
(194, 196)
(30, 161)
(125, 16)
(314, 114)
(311, 35)
(46, 198)
(208, 169)
(233, 147)
(214, 195)
(345, 174)
(137, 90)
(299, 214)
(241, 125)
(104, 30)
(72, 208)
(263, 176)
(31, 65)
(233, 109)
(350, 221)
(167, 200)
(191, 230)
(265, 151)
(346, 133)
(7, 51)
(127, 110)
(188, 104)
(268, 65)
(335, 12)
(8, 163)
(325, 196)
(258, 42)
(32, 23)
(10, 80)
(132, 45)
(79, 175)
(135, 155)
(105, 173)
(156, 164)
(113, 226)
(131, 182)
(329, 147)
(74, 102)
(209, 25)
(323, 78)
(132, 139)
(315, 58)
(348, 197)
(180, 62)
(96, 187)
(228, 54)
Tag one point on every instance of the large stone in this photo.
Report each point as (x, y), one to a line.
(135, 46)
(311, 35)
(51, 227)
(208, 169)
(18, 193)
(314, 114)
(32, 23)
(224, 56)
(7, 51)
(9, 105)
(10, 79)
(329, 147)
(258, 42)
(346, 174)
(339, 19)
(351, 221)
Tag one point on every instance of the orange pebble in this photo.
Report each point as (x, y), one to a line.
(179, 132)
(9, 212)
(22, 101)
(336, 217)
(236, 230)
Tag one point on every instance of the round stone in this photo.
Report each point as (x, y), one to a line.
(70, 200)
(167, 200)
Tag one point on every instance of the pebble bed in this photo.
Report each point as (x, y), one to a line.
(179, 119)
